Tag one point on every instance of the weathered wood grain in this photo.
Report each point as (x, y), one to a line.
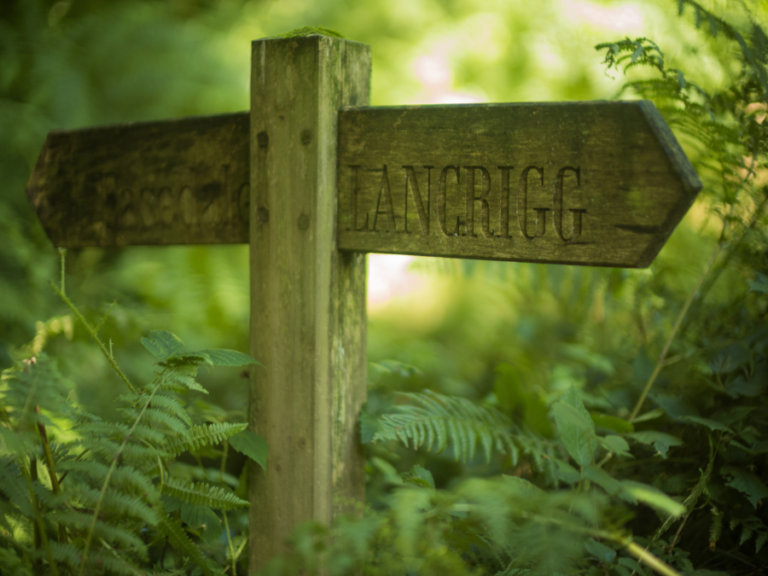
(593, 183)
(308, 321)
(170, 182)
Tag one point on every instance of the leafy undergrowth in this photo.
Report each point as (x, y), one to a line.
(618, 426)
(84, 494)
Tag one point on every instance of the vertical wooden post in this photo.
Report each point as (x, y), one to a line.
(308, 318)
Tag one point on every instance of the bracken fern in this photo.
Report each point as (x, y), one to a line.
(82, 494)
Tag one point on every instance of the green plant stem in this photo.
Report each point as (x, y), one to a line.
(707, 279)
(107, 480)
(48, 455)
(672, 335)
(230, 546)
(642, 554)
(63, 269)
(649, 559)
(92, 331)
(40, 535)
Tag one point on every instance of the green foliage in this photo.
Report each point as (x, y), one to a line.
(85, 494)
(591, 422)
(435, 421)
(627, 394)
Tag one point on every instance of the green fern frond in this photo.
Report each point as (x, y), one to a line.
(107, 530)
(97, 428)
(174, 532)
(202, 436)
(124, 478)
(162, 344)
(117, 504)
(142, 456)
(108, 561)
(172, 405)
(162, 421)
(14, 487)
(751, 44)
(181, 377)
(436, 421)
(111, 561)
(203, 494)
(13, 563)
(145, 436)
(106, 508)
(66, 554)
(31, 384)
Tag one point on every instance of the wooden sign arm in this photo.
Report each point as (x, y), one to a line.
(182, 181)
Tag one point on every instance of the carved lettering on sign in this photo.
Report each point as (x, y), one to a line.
(501, 202)
(146, 204)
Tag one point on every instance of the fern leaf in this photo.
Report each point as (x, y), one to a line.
(163, 421)
(181, 377)
(436, 422)
(13, 486)
(110, 561)
(125, 538)
(66, 554)
(202, 436)
(162, 344)
(118, 504)
(169, 349)
(106, 560)
(144, 435)
(100, 428)
(125, 478)
(171, 405)
(203, 494)
(224, 357)
(12, 564)
(174, 532)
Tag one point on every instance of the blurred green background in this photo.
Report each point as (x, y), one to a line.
(508, 335)
(70, 64)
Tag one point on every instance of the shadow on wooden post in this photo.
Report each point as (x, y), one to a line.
(308, 317)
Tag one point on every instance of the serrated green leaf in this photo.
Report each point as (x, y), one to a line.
(746, 482)
(171, 528)
(182, 377)
(602, 479)
(760, 541)
(197, 516)
(566, 473)
(203, 435)
(419, 476)
(162, 344)
(615, 444)
(707, 422)
(612, 423)
(369, 428)
(661, 441)
(251, 445)
(603, 553)
(203, 494)
(225, 357)
(575, 428)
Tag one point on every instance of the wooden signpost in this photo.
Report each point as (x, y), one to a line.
(313, 179)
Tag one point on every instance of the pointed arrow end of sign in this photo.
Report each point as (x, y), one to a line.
(678, 160)
(681, 168)
(36, 186)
